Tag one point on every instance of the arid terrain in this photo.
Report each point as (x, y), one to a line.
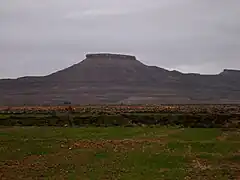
(47, 130)
(114, 79)
(201, 116)
(120, 90)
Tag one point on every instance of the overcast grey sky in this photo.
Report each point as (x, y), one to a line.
(38, 37)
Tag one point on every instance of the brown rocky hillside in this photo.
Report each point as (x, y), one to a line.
(114, 78)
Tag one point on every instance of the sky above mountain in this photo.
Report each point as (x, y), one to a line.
(42, 36)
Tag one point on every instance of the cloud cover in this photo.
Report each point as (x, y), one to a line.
(42, 36)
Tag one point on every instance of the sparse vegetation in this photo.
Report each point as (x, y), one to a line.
(218, 116)
(118, 153)
(159, 144)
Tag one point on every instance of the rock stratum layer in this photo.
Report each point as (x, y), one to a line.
(115, 78)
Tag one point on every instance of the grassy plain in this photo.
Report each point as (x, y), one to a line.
(132, 153)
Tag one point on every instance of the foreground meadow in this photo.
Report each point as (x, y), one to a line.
(119, 153)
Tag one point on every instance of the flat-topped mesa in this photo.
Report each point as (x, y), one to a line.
(230, 72)
(110, 56)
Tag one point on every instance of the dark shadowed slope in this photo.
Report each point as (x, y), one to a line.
(113, 78)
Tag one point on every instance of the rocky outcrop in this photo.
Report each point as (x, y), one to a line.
(110, 56)
(230, 72)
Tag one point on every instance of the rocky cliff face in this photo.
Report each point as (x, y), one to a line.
(115, 78)
(230, 72)
(110, 56)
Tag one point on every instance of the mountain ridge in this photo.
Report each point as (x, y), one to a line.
(131, 56)
(116, 78)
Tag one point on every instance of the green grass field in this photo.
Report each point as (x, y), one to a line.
(119, 153)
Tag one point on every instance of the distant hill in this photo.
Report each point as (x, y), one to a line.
(115, 78)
